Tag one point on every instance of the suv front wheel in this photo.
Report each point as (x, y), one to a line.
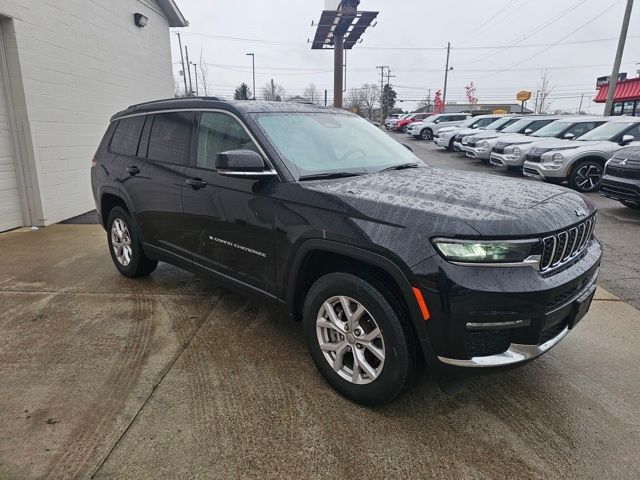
(358, 341)
(426, 134)
(124, 245)
(586, 176)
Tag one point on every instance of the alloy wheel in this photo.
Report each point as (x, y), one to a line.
(588, 177)
(426, 134)
(350, 340)
(121, 241)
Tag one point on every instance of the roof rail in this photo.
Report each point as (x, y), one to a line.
(171, 99)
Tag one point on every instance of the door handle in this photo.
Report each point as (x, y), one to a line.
(133, 170)
(196, 183)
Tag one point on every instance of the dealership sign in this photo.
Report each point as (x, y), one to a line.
(523, 95)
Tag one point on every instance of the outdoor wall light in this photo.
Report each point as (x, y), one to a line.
(140, 20)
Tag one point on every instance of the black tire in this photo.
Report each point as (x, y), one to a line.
(139, 265)
(586, 169)
(629, 204)
(402, 364)
(426, 134)
(450, 147)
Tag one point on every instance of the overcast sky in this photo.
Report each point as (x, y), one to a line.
(574, 40)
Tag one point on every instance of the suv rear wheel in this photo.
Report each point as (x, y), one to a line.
(124, 245)
(586, 176)
(358, 341)
(426, 134)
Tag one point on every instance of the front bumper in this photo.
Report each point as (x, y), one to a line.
(442, 141)
(506, 160)
(617, 188)
(540, 170)
(484, 317)
(477, 153)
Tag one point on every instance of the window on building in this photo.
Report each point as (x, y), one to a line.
(627, 108)
(127, 135)
(220, 132)
(170, 137)
(617, 108)
(636, 112)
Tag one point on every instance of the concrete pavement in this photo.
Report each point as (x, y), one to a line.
(172, 377)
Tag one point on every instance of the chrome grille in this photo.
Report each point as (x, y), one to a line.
(560, 248)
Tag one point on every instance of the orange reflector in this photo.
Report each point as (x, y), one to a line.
(421, 303)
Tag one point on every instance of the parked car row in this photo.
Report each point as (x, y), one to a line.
(586, 152)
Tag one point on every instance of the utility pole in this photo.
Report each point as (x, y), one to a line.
(382, 93)
(446, 75)
(338, 69)
(195, 74)
(580, 107)
(184, 73)
(325, 98)
(535, 108)
(186, 52)
(253, 68)
(430, 108)
(273, 91)
(613, 81)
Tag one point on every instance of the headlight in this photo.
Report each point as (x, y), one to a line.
(557, 158)
(517, 151)
(472, 251)
(465, 139)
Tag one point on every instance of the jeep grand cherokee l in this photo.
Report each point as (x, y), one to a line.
(389, 263)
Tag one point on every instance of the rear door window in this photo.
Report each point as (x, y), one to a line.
(127, 135)
(170, 137)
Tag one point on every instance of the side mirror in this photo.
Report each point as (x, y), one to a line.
(569, 136)
(474, 126)
(242, 163)
(626, 139)
(528, 131)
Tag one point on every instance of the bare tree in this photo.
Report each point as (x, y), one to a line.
(311, 93)
(544, 89)
(369, 98)
(204, 74)
(354, 101)
(273, 92)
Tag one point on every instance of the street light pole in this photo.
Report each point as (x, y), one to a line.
(446, 75)
(253, 68)
(613, 81)
(195, 72)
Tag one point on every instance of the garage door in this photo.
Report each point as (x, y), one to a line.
(10, 210)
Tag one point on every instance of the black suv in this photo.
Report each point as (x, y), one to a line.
(621, 180)
(388, 262)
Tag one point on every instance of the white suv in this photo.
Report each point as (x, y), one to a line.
(431, 125)
(446, 135)
(581, 162)
(509, 152)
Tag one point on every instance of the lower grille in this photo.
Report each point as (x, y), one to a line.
(488, 342)
(607, 189)
(530, 170)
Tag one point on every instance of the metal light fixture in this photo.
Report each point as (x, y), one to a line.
(140, 20)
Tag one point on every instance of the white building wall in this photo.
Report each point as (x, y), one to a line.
(73, 64)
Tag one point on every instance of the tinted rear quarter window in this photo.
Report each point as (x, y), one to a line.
(170, 138)
(127, 136)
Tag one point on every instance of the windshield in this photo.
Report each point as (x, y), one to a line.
(468, 122)
(607, 131)
(499, 123)
(518, 127)
(553, 129)
(315, 143)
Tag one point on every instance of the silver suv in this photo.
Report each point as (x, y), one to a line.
(581, 162)
(427, 128)
(461, 139)
(510, 150)
(446, 135)
(479, 146)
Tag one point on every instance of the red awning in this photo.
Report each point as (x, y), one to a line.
(625, 90)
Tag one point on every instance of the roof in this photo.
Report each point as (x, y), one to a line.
(173, 13)
(242, 106)
(625, 90)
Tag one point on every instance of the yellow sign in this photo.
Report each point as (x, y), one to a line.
(523, 96)
(500, 112)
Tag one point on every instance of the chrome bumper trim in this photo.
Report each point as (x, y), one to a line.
(517, 353)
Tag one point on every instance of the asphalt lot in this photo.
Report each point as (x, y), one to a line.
(618, 227)
(173, 377)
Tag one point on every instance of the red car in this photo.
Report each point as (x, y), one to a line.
(415, 117)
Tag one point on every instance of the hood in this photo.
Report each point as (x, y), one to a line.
(486, 134)
(516, 138)
(441, 202)
(553, 143)
(448, 129)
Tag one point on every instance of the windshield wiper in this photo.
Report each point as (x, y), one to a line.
(324, 176)
(402, 166)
